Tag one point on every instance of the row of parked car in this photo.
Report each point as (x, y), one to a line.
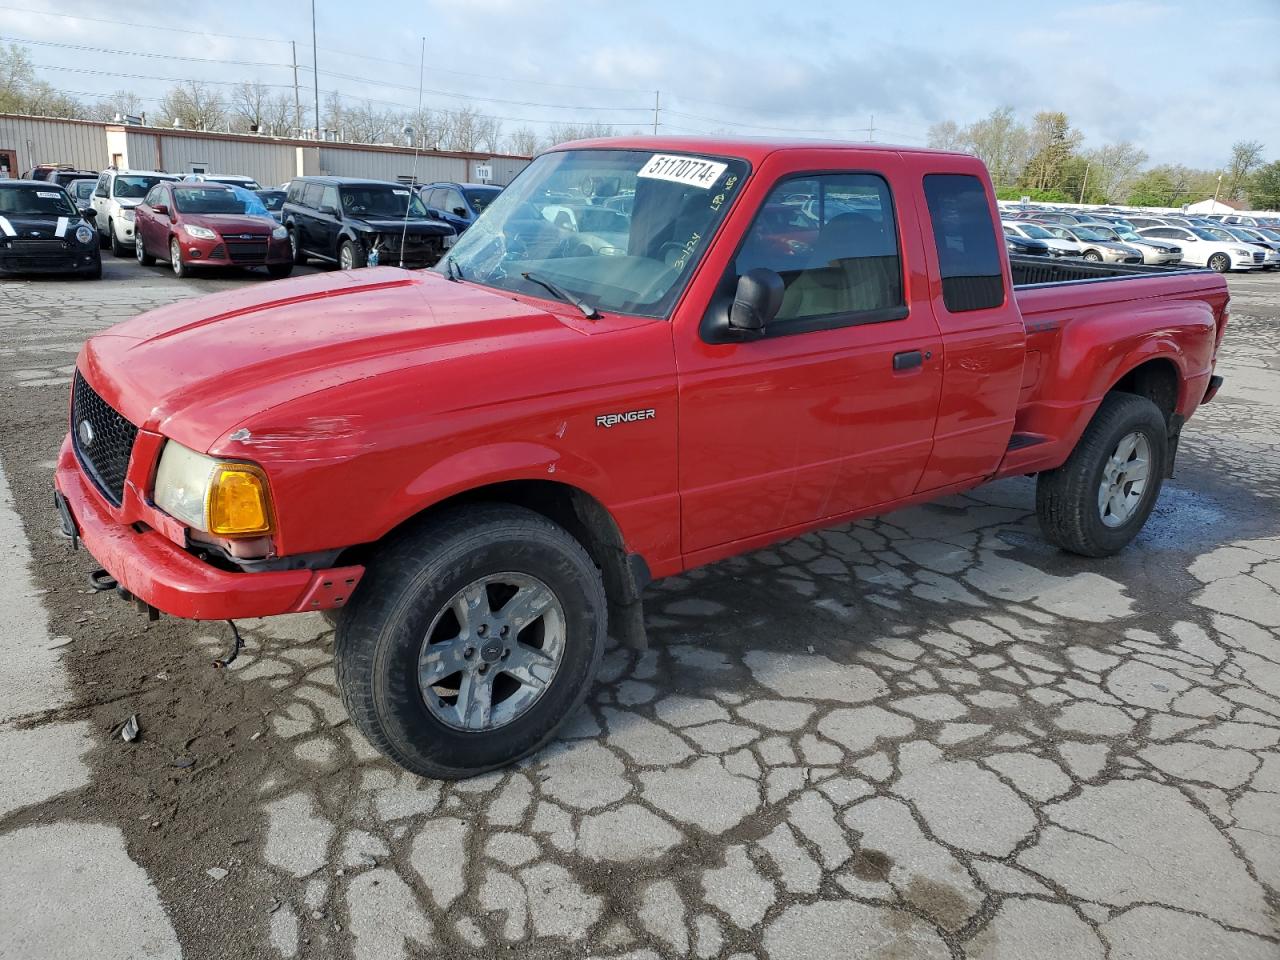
(204, 219)
(1220, 243)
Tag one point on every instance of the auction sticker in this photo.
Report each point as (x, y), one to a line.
(47, 195)
(691, 171)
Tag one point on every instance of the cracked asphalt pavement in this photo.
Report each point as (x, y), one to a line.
(926, 735)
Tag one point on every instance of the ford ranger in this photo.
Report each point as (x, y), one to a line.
(474, 470)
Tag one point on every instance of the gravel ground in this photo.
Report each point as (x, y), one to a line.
(927, 735)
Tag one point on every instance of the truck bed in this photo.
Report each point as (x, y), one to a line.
(1039, 271)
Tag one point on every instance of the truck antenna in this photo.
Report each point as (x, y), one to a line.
(417, 140)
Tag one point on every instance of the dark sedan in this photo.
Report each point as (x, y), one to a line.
(41, 231)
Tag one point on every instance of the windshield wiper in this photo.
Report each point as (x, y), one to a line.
(561, 293)
(454, 271)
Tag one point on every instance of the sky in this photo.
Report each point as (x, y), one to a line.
(1183, 80)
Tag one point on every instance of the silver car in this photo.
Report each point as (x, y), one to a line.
(1159, 252)
(1097, 248)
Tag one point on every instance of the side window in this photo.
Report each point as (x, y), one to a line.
(834, 241)
(330, 198)
(101, 190)
(453, 202)
(968, 254)
(295, 191)
(311, 195)
(1008, 230)
(152, 197)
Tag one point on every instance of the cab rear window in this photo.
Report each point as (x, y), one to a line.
(965, 236)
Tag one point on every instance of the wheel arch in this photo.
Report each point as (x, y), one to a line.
(582, 515)
(1159, 379)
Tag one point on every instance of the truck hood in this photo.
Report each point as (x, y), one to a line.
(193, 369)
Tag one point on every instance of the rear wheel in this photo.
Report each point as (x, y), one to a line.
(140, 250)
(1093, 256)
(1220, 263)
(299, 258)
(180, 269)
(1097, 501)
(117, 247)
(470, 641)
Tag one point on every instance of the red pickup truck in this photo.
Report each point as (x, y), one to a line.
(476, 469)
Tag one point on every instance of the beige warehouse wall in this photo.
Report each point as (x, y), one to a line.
(39, 140)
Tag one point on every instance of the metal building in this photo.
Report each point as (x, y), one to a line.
(92, 145)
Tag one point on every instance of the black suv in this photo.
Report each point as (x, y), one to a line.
(357, 223)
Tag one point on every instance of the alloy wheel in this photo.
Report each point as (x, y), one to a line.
(1124, 479)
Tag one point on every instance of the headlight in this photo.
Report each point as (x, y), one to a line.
(200, 233)
(126, 213)
(1242, 253)
(86, 233)
(221, 497)
(280, 233)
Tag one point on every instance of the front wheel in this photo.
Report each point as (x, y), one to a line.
(279, 271)
(350, 257)
(471, 640)
(1220, 263)
(117, 246)
(180, 269)
(1093, 256)
(295, 245)
(1097, 501)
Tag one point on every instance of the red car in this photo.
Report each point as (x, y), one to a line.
(476, 470)
(198, 224)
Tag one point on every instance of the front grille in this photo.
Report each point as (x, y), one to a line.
(103, 447)
(40, 246)
(1259, 257)
(419, 250)
(246, 251)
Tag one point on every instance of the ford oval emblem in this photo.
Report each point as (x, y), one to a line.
(85, 430)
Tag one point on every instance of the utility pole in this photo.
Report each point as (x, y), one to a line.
(1085, 182)
(1214, 208)
(315, 66)
(656, 107)
(297, 103)
(871, 130)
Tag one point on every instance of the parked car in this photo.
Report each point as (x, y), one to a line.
(458, 204)
(1095, 247)
(1256, 239)
(1205, 248)
(1244, 220)
(81, 190)
(477, 469)
(195, 224)
(59, 173)
(356, 223)
(1142, 221)
(42, 231)
(273, 200)
(1035, 231)
(1022, 246)
(114, 198)
(1053, 216)
(231, 179)
(1154, 252)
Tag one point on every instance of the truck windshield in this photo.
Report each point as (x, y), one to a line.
(557, 221)
(135, 188)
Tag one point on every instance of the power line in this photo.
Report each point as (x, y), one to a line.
(139, 53)
(44, 12)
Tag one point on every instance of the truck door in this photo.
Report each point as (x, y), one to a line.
(832, 410)
(983, 336)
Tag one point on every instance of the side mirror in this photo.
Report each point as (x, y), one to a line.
(460, 212)
(756, 301)
(328, 209)
(162, 209)
(89, 214)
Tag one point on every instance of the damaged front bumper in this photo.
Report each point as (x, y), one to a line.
(159, 573)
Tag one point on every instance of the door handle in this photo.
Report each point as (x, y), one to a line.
(907, 360)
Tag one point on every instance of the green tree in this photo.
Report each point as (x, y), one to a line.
(1246, 155)
(1052, 143)
(1264, 187)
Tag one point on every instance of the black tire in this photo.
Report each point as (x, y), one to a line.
(279, 271)
(117, 248)
(380, 635)
(1219, 263)
(1067, 499)
(1093, 256)
(180, 268)
(144, 258)
(353, 250)
(299, 258)
(95, 272)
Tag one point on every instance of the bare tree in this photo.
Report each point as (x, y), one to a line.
(248, 106)
(334, 113)
(564, 132)
(1246, 155)
(279, 116)
(1001, 143)
(1114, 168)
(946, 135)
(43, 99)
(16, 74)
(194, 105)
(120, 104)
(524, 142)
